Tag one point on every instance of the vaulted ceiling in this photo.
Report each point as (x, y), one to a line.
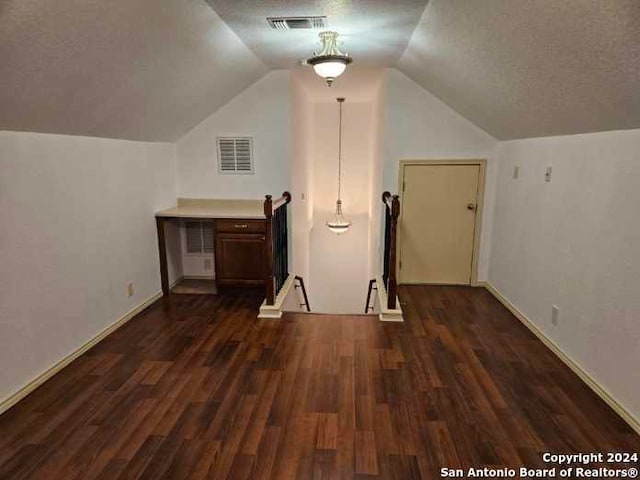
(522, 68)
(375, 32)
(152, 70)
(134, 69)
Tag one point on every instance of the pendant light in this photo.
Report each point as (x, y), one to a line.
(338, 224)
(330, 62)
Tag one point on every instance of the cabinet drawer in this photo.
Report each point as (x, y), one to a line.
(240, 226)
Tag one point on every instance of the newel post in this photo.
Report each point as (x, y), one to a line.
(392, 285)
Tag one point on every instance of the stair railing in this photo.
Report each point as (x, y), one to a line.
(300, 285)
(277, 248)
(368, 305)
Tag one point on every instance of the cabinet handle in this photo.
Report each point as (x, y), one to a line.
(241, 225)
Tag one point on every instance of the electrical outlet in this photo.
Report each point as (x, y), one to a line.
(516, 171)
(207, 264)
(555, 315)
(130, 289)
(547, 175)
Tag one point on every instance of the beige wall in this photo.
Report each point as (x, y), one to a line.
(262, 111)
(376, 214)
(338, 267)
(301, 179)
(77, 218)
(575, 243)
(417, 125)
(339, 264)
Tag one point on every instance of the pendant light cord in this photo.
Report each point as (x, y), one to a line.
(340, 100)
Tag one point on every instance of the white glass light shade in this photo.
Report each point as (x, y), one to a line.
(330, 62)
(338, 224)
(330, 69)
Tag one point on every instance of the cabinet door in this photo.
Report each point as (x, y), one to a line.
(240, 259)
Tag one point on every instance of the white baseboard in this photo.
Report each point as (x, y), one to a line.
(568, 361)
(386, 314)
(275, 310)
(14, 398)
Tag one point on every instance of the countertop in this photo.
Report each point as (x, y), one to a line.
(215, 208)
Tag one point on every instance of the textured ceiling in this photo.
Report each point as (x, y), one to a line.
(151, 70)
(134, 69)
(374, 32)
(522, 68)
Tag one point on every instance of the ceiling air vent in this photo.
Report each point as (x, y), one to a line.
(292, 23)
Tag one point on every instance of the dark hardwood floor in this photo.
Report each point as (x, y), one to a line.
(204, 390)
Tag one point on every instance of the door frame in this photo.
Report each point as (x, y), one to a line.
(477, 231)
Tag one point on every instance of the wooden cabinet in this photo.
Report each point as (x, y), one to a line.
(240, 258)
(240, 249)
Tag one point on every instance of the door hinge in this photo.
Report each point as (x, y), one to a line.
(400, 264)
(403, 186)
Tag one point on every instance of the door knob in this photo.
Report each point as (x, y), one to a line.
(471, 206)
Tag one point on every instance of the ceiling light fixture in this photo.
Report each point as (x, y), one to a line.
(330, 62)
(338, 224)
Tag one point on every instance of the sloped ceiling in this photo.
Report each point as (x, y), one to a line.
(374, 32)
(134, 69)
(522, 68)
(151, 70)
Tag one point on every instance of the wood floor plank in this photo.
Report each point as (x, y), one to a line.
(366, 461)
(198, 388)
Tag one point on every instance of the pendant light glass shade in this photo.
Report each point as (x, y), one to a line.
(330, 62)
(329, 70)
(338, 224)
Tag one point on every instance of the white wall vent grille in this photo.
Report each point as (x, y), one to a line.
(199, 237)
(235, 155)
(293, 23)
